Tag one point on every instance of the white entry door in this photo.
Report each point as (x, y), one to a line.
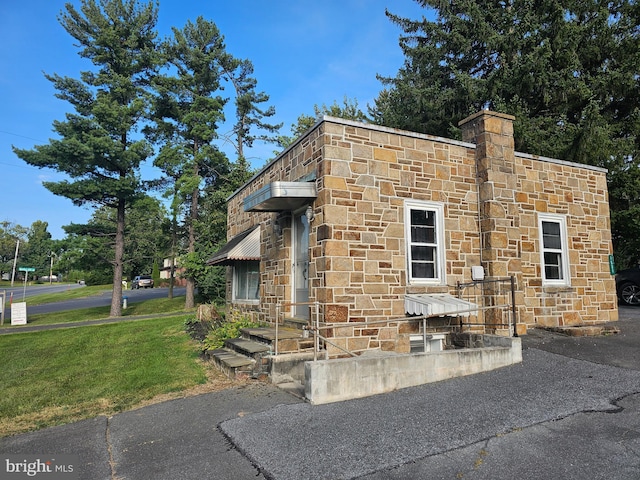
(301, 264)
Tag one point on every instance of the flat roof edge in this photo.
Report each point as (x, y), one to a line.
(406, 133)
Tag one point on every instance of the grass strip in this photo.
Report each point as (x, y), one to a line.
(70, 294)
(146, 307)
(59, 376)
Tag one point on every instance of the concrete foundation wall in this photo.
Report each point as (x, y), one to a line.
(289, 367)
(336, 380)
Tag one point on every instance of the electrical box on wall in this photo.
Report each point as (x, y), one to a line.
(477, 273)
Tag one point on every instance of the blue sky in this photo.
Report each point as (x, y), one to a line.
(304, 53)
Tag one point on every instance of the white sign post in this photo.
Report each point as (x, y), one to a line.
(19, 313)
(3, 298)
(26, 271)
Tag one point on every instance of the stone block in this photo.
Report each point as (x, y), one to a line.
(336, 279)
(376, 288)
(333, 182)
(333, 248)
(380, 169)
(336, 153)
(336, 313)
(385, 155)
(357, 344)
(394, 230)
(342, 264)
(337, 214)
(362, 151)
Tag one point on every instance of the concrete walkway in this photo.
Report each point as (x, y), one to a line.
(571, 410)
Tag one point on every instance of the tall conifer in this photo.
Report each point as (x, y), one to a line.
(97, 146)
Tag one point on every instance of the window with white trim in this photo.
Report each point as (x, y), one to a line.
(246, 281)
(554, 252)
(424, 233)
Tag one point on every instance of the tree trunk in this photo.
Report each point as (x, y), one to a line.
(172, 259)
(116, 297)
(189, 301)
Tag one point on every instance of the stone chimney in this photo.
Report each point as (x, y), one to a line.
(497, 186)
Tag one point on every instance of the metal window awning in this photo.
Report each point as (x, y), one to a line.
(441, 304)
(281, 196)
(245, 246)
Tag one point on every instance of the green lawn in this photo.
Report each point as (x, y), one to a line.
(71, 294)
(146, 307)
(58, 376)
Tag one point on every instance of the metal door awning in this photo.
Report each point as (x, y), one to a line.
(245, 246)
(441, 304)
(281, 196)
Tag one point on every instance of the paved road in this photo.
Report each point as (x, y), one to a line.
(571, 410)
(20, 291)
(101, 300)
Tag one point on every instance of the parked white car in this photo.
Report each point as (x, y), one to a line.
(142, 281)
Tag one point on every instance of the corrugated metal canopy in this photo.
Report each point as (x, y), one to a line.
(245, 246)
(441, 304)
(281, 196)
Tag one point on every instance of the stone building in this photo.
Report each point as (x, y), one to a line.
(353, 219)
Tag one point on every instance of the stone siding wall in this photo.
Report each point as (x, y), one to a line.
(581, 195)
(299, 161)
(358, 261)
(361, 261)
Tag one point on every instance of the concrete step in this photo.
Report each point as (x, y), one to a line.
(251, 356)
(290, 340)
(295, 323)
(231, 363)
(249, 348)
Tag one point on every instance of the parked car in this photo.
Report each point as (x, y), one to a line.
(628, 285)
(142, 281)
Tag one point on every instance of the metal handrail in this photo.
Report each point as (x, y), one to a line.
(292, 304)
(320, 326)
(424, 318)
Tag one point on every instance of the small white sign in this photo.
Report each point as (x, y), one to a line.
(19, 313)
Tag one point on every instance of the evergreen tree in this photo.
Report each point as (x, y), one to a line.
(98, 149)
(349, 110)
(187, 112)
(567, 70)
(249, 116)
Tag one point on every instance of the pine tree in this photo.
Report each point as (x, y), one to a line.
(566, 69)
(187, 113)
(97, 146)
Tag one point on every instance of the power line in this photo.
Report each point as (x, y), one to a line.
(21, 136)
(18, 166)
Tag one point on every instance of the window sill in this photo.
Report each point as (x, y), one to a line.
(557, 288)
(246, 302)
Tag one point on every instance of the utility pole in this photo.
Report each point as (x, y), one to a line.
(15, 260)
(51, 267)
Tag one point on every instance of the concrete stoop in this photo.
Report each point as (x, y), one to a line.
(326, 381)
(253, 355)
(336, 380)
(585, 330)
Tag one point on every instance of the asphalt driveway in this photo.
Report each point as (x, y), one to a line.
(571, 410)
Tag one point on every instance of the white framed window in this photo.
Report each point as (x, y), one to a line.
(424, 234)
(554, 251)
(246, 281)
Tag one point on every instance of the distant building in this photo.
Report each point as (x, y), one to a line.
(165, 273)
